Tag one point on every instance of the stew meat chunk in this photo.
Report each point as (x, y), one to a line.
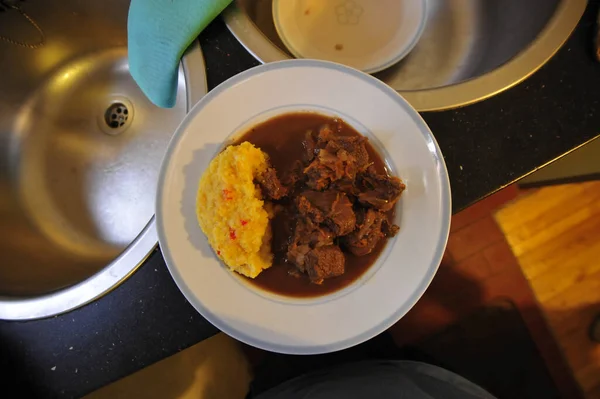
(334, 158)
(378, 191)
(271, 186)
(340, 202)
(324, 262)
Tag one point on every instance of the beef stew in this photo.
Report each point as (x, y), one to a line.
(334, 202)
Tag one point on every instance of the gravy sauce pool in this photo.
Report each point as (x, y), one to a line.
(281, 138)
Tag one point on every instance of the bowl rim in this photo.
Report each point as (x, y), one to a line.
(406, 47)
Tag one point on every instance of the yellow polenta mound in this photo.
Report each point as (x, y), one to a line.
(231, 212)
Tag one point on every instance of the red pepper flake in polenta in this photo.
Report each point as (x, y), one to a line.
(219, 253)
(227, 194)
(232, 234)
(243, 222)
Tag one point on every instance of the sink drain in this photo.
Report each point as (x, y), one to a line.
(116, 117)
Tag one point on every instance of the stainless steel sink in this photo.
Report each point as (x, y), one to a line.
(80, 150)
(470, 49)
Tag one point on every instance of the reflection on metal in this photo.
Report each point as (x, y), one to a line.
(11, 5)
(77, 189)
(470, 49)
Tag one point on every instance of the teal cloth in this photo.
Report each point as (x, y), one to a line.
(159, 31)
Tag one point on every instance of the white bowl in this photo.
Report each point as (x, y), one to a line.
(387, 290)
(369, 35)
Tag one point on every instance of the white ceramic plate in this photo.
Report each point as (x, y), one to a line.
(388, 289)
(369, 35)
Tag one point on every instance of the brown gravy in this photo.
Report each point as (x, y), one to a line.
(281, 138)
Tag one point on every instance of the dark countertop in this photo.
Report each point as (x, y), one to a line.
(487, 146)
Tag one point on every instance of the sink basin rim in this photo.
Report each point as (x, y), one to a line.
(519, 68)
(134, 255)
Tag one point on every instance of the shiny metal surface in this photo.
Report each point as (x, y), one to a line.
(470, 49)
(80, 151)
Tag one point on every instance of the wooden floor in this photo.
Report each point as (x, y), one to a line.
(555, 234)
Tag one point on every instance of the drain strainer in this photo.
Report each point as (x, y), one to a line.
(117, 116)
